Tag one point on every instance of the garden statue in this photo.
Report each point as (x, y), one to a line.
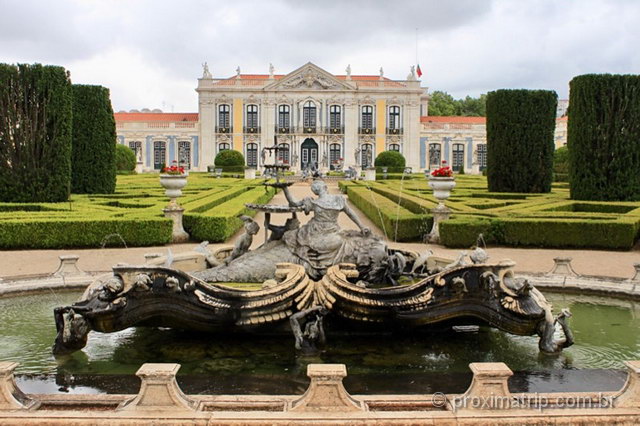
(313, 278)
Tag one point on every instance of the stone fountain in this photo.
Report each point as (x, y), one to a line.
(312, 279)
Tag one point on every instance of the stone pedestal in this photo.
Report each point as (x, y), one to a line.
(563, 267)
(370, 174)
(159, 391)
(139, 167)
(178, 235)
(68, 266)
(489, 388)
(249, 173)
(12, 398)
(358, 172)
(326, 392)
(440, 213)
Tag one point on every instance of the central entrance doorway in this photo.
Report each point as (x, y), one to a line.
(309, 154)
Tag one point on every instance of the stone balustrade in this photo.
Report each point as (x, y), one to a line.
(160, 400)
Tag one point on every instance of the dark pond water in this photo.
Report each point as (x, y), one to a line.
(605, 331)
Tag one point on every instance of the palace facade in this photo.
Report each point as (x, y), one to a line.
(323, 120)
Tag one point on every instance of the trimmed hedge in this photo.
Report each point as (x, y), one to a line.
(216, 225)
(134, 213)
(520, 131)
(393, 160)
(35, 133)
(604, 137)
(125, 159)
(56, 233)
(513, 219)
(93, 166)
(387, 216)
(230, 161)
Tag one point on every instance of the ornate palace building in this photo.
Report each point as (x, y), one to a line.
(326, 121)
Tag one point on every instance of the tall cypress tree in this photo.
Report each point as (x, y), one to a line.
(604, 137)
(94, 141)
(520, 130)
(35, 133)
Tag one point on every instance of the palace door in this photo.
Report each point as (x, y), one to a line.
(309, 154)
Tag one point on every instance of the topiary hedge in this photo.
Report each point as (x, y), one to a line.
(520, 131)
(393, 160)
(35, 133)
(230, 161)
(93, 166)
(125, 159)
(604, 137)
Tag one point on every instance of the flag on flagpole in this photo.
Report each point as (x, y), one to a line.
(419, 71)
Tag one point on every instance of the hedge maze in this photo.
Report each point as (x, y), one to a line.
(402, 211)
(132, 215)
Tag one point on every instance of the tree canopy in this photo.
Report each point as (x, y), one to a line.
(443, 104)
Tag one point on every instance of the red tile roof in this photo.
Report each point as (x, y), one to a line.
(155, 116)
(452, 119)
(257, 79)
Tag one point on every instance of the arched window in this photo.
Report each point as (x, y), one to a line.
(366, 119)
(335, 119)
(283, 153)
(252, 118)
(482, 156)
(435, 154)
(159, 155)
(458, 157)
(394, 147)
(335, 155)
(394, 117)
(184, 154)
(309, 116)
(284, 118)
(224, 118)
(367, 155)
(136, 147)
(252, 154)
(223, 146)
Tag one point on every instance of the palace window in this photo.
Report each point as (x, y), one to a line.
(394, 147)
(435, 154)
(252, 154)
(159, 155)
(284, 116)
(252, 116)
(335, 112)
(136, 147)
(184, 154)
(482, 156)
(458, 157)
(224, 116)
(394, 117)
(366, 118)
(223, 146)
(309, 115)
(283, 153)
(335, 155)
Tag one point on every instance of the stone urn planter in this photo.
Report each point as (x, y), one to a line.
(173, 185)
(442, 187)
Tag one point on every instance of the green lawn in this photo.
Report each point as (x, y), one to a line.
(402, 209)
(133, 214)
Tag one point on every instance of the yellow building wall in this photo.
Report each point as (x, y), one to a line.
(238, 130)
(381, 123)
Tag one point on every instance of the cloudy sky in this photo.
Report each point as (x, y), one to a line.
(149, 52)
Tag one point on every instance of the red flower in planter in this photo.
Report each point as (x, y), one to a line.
(444, 171)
